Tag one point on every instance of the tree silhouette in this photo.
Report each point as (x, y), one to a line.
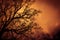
(15, 17)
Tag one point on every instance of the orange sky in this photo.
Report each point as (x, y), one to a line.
(48, 18)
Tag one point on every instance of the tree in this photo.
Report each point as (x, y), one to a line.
(15, 16)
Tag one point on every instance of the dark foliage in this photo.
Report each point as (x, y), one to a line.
(13, 22)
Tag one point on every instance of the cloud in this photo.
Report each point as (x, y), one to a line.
(55, 3)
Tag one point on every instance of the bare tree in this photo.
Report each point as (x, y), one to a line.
(15, 16)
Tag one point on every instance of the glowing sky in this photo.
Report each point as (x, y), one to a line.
(48, 19)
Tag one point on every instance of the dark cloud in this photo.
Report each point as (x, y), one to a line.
(55, 3)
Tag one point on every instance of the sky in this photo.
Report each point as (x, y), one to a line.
(49, 18)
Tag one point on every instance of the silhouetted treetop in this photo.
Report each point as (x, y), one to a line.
(15, 16)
